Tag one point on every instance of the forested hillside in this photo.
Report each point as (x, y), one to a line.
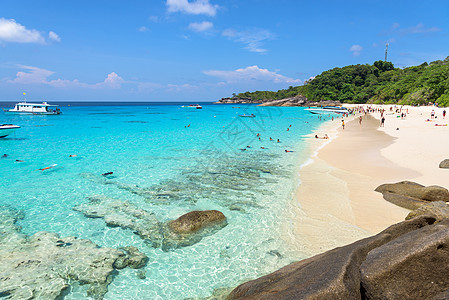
(377, 83)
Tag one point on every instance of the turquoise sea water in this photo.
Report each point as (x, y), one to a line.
(167, 150)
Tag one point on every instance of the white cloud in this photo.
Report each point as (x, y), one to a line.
(143, 29)
(252, 73)
(112, 81)
(418, 28)
(199, 27)
(356, 50)
(53, 36)
(197, 7)
(11, 31)
(34, 75)
(251, 38)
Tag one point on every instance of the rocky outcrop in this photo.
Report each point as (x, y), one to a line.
(293, 101)
(437, 208)
(412, 195)
(413, 266)
(43, 265)
(444, 164)
(238, 100)
(332, 275)
(185, 231)
(298, 100)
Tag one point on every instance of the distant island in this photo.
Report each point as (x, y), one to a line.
(379, 83)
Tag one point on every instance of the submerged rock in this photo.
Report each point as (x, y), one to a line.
(185, 231)
(118, 213)
(412, 195)
(43, 265)
(236, 182)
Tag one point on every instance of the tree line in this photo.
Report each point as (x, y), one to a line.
(379, 83)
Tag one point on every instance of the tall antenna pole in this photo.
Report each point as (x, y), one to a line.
(386, 51)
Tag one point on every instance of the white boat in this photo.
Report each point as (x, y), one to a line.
(35, 108)
(195, 106)
(7, 129)
(328, 109)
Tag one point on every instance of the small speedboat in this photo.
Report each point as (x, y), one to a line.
(247, 116)
(328, 109)
(195, 106)
(7, 129)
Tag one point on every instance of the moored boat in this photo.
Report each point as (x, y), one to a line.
(328, 109)
(247, 116)
(7, 129)
(195, 106)
(35, 108)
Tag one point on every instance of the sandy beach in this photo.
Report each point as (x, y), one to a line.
(336, 201)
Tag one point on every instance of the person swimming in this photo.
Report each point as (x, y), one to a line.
(107, 173)
(50, 167)
(289, 150)
(4, 155)
(72, 155)
(278, 141)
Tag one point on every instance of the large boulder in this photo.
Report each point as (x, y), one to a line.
(409, 194)
(444, 164)
(334, 274)
(196, 220)
(413, 266)
(439, 209)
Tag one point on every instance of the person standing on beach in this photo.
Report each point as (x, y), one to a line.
(343, 124)
(382, 122)
(444, 114)
(360, 120)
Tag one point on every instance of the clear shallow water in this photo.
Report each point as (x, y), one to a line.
(152, 147)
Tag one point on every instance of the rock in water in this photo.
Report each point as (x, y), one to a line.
(191, 228)
(196, 220)
(413, 266)
(444, 164)
(184, 231)
(43, 265)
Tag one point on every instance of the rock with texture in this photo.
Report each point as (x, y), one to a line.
(444, 164)
(43, 265)
(197, 220)
(439, 209)
(334, 274)
(413, 266)
(409, 194)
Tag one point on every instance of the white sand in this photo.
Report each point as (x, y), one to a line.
(337, 203)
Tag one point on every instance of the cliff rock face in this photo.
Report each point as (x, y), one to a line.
(406, 261)
(298, 100)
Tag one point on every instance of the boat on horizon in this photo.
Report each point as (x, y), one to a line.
(328, 109)
(34, 108)
(7, 129)
(195, 106)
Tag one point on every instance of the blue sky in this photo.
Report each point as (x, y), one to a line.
(202, 50)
